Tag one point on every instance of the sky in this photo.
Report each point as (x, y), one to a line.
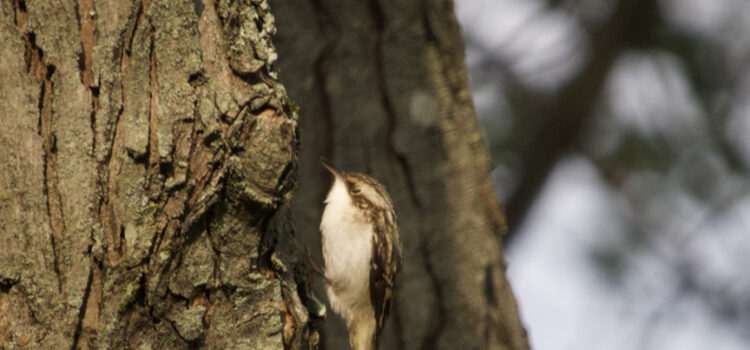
(566, 299)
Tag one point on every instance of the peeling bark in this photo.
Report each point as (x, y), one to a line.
(142, 164)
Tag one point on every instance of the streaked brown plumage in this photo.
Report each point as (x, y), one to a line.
(362, 251)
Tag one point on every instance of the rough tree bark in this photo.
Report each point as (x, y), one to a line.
(383, 90)
(145, 148)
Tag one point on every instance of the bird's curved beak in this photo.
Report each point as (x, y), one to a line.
(331, 169)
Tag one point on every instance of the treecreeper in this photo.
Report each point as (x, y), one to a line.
(362, 254)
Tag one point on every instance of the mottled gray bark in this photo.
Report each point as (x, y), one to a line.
(145, 147)
(383, 90)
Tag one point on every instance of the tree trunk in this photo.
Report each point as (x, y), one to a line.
(145, 148)
(383, 90)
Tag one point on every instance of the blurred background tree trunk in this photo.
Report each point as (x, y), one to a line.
(383, 90)
(145, 147)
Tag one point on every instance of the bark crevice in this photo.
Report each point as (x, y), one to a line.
(82, 311)
(51, 184)
(84, 10)
(87, 26)
(139, 16)
(152, 146)
(20, 18)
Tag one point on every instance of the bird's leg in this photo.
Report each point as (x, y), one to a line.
(362, 332)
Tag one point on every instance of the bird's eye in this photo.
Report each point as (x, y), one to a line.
(355, 190)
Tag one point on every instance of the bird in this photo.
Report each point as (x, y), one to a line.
(362, 254)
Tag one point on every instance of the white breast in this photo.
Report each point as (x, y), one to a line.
(347, 249)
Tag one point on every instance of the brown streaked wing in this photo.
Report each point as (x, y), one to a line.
(385, 263)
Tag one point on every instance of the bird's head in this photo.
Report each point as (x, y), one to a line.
(359, 189)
